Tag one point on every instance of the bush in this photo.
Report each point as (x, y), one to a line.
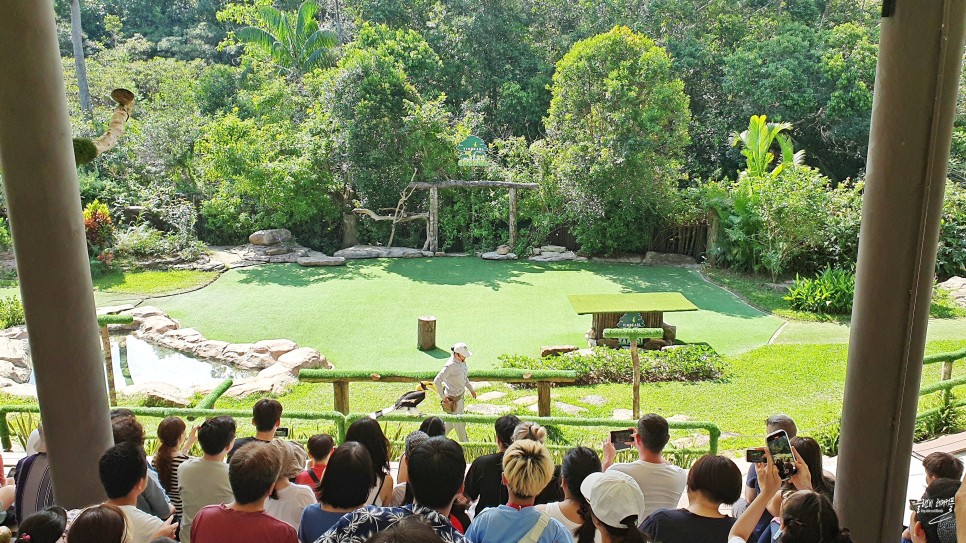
(98, 226)
(951, 258)
(142, 241)
(11, 312)
(830, 292)
(605, 365)
(6, 242)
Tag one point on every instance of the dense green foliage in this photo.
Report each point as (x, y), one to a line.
(11, 312)
(606, 365)
(829, 292)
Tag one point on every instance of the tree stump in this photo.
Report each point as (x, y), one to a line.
(427, 333)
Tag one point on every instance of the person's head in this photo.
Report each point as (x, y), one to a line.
(121, 412)
(368, 432)
(216, 435)
(716, 478)
(348, 478)
(531, 431)
(436, 470)
(807, 516)
(617, 504)
(781, 422)
(940, 465)
(267, 415)
(104, 523)
(292, 458)
(123, 470)
(433, 426)
(527, 468)
(253, 471)
(171, 436)
(412, 529)
(578, 463)
(171, 431)
(37, 443)
(811, 453)
(461, 352)
(504, 427)
(414, 439)
(653, 432)
(46, 526)
(320, 447)
(127, 429)
(934, 521)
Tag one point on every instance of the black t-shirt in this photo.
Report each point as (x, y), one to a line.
(683, 526)
(484, 480)
(553, 492)
(241, 442)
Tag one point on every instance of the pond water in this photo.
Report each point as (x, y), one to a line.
(138, 361)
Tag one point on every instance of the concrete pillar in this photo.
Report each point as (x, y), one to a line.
(921, 47)
(40, 181)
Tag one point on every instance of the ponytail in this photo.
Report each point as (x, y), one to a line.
(586, 531)
(577, 464)
(169, 434)
(628, 533)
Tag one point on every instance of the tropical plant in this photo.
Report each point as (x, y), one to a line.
(292, 40)
(831, 292)
(98, 226)
(757, 141)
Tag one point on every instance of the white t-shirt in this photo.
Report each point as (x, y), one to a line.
(141, 526)
(553, 511)
(290, 503)
(201, 483)
(661, 484)
(736, 539)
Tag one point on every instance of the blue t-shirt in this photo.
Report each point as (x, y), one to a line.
(316, 522)
(683, 526)
(505, 524)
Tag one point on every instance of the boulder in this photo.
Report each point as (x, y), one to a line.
(247, 356)
(497, 256)
(553, 256)
(957, 288)
(625, 259)
(556, 349)
(277, 347)
(17, 374)
(182, 339)
(211, 349)
(15, 332)
(157, 326)
(275, 379)
(275, 251)
(315, 261)
(143, 312)
(503, 250)
(270, 237)
(372, 251)
(15, 351)
(304, 358)
(552, 249)
(157, 394)
(668, 259)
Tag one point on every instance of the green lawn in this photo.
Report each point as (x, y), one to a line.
(364, 315)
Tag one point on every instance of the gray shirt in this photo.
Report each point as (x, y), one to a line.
(202, 483)
(154, 501)
(453, 379)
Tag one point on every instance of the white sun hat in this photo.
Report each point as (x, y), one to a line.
(613, 496)
(462, 349)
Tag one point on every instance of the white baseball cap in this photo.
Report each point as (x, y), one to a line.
(613, 496)
(462, 349)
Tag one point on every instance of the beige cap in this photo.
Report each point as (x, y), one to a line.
(293, 458)
(462, 349)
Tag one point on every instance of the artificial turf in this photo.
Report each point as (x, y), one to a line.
(364, 315)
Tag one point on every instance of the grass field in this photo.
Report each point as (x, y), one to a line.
(364, 315)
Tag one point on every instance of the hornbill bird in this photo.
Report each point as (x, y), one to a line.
(407, 402)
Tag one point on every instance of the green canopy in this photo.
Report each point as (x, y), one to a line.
(665, 302)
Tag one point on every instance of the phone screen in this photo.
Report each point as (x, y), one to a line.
(621, 438)
(781, 453)
(281, 432)
(755, 456)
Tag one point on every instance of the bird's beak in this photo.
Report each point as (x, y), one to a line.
(426, 385)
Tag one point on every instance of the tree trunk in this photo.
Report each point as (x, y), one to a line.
(338, 21)
(427, 333)
(108, 365)
(77, 39)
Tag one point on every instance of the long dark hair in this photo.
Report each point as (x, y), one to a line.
(810, 452)
(628, 534)
(169, 434)
(808, 517)
(578, 463)
(368, 432)
(104, 523)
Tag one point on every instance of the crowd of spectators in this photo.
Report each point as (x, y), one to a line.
(267, 489)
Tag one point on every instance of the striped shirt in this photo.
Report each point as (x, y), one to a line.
(35, 490)
(173, 492)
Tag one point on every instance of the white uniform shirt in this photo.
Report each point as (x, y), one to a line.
(453, 379)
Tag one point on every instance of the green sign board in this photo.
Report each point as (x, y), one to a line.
(472, 152)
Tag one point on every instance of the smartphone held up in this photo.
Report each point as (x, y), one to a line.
(781, 453)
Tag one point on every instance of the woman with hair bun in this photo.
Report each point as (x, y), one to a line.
(574, 511)
(616, 504)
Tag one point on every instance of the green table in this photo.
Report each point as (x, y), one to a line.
(607, 310)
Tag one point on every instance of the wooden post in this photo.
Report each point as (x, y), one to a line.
(426, 340)
(341, 390)
(947, 374)
(637, 379)
(434, 219)
(108, 365)
(513, 217)
(543, 398)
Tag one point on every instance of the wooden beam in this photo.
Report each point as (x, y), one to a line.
(408, 217)
(513, 217)
(543, 399)
(452, 183)
(433, 219)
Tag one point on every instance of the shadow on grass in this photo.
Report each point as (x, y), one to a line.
(462, 271)
(293, 275)
(109, 280)
(437, 353)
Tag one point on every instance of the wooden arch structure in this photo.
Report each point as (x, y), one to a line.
(432, 217)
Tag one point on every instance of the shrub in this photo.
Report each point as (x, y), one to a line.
(6, 242)
(828, 438)
(830, 292)
(605, 365)
(11, 312)
(951, 257)
(98, 226)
